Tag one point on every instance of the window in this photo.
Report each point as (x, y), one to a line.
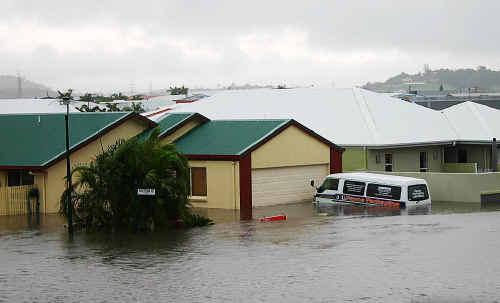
(462, 156)
(418, 192)
(383, 191)
(423, 161)
(388, 162)
(20, 177)
(329, 184)
(354, 188)
(377, 158)
(198, 181)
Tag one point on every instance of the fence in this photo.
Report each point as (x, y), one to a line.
(14, 200)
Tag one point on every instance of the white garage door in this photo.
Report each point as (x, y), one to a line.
(271, 186)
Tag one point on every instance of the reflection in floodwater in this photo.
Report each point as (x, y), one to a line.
(322, 253)
(377, 211)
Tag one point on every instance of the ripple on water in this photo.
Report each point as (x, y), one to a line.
(309, 258)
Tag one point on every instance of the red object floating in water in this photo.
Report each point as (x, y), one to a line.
(273, 218)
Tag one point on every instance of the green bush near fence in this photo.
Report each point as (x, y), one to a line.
(105, 192)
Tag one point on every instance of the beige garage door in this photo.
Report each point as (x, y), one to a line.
(271, 186)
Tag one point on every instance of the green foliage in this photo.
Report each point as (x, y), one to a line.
(86, 108)
(87, 97)
(135, 107)
(112, 107)
(193, 220)
(105, 191)
(178, 90)
(482, 78)
(67, 96)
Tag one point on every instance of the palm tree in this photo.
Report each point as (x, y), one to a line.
(106, 191)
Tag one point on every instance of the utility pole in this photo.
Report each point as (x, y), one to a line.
(66, 99)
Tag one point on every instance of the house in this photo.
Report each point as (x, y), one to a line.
(379, 133)
(243, 163)
(26, 106)
(33, 148)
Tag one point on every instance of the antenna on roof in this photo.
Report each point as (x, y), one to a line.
(19, 86)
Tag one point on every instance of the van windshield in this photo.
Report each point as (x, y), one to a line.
(418, 192)
(329, 184)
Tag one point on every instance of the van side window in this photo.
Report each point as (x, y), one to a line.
(329, 184)
(354, 188)
(418, 192)
(383, 191)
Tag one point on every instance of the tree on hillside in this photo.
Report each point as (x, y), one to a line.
(178, 90)
(106, 191)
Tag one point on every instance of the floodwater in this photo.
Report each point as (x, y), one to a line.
(327, 254)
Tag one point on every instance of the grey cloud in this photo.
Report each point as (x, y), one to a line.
(442, 33)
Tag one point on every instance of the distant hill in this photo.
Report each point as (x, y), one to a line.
(29, 89)
(481, 79)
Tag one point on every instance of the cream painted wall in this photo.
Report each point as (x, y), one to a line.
(407, 159)
(223, 186)
(55, 182)
(181, 131)
(291, 147)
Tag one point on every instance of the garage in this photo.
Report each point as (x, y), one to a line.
(242, 164)
(282, 185)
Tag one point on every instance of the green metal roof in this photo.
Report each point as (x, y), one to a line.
(167, 123)
(226, 137)
(37, 139)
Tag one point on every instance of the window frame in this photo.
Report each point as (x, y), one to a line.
(397, 198)
(204, 195)
(23, 177)
(354, 194)
(388, 166)
(426, 168)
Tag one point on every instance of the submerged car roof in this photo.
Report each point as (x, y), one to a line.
(378, 178)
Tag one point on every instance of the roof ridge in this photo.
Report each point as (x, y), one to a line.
(189, 115)
(451, 125)
(72, 146)
(472, 106)
(263, 119)
(265, 136)
(366, 114)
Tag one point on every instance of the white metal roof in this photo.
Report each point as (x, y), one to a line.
(349, 116)
(473, 121)
(38, 106)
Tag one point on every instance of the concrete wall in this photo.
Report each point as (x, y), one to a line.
(460, 168)
(223, 186)
(291, 147)
(55, 183)
(457, 187)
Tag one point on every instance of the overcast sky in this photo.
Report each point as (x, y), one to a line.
(103, 45)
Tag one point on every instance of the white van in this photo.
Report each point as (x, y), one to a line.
(369, 189)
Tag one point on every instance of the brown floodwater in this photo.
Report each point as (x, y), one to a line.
(320, 254)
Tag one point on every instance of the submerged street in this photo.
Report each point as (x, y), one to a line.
(448, 254)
